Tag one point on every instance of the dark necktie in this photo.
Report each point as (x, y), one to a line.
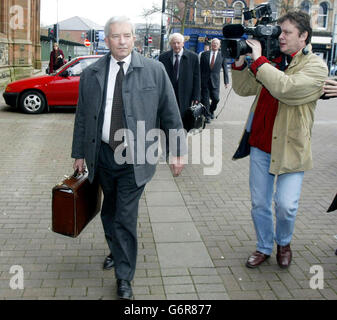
(117, 108)
(176, 67)
(212, 61)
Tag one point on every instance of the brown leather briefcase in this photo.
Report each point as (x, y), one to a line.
(75, 203)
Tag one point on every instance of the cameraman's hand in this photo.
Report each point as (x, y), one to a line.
(256, 48)
(330, 88)
(239, 62)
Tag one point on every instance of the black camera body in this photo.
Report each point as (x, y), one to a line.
(264, 31)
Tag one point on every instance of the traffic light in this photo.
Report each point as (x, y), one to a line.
(146, 41)
(96, 36)
(90, 35)
(50, 34)
(55, 32)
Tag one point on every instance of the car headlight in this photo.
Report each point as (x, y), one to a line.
(8, 88)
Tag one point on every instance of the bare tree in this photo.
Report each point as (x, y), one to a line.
(183, 5)
(147, 15)
(282, 6)
(176, 9)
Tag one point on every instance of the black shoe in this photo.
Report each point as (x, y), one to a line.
(124, 290)
(108, 262)
(212, 115)
(207, 120)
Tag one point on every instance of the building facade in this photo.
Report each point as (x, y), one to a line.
(20, 49)
(202, 20)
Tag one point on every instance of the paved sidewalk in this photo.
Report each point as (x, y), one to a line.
(195, 231)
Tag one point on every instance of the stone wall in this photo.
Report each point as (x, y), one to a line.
(20, 49)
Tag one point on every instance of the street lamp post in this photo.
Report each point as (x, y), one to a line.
(333, 53)
(57, 22)
(162, 32)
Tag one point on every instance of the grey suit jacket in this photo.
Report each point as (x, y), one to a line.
(212, 74)
(148, 99)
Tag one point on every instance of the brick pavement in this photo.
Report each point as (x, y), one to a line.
(195, 231)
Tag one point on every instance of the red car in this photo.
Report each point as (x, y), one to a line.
(36, 94)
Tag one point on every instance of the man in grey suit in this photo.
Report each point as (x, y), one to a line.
(122, 98)
(182, 66)
(211, 63)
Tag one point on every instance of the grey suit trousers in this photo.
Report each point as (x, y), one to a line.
(119, 211)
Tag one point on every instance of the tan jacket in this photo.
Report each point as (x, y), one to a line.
(297, 89)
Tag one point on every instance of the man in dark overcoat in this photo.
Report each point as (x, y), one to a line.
(182, 67)
(123, 98)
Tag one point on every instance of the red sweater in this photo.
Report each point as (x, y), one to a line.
(264, 115)
(265, 111)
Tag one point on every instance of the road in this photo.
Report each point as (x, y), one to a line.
(195, 231)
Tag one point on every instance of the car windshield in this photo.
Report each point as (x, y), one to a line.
(82, 63)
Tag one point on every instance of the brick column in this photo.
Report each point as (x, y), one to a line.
(19, 39)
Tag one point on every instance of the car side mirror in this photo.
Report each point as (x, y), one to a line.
(65, 73)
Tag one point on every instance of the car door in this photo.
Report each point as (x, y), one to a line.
(63, 89)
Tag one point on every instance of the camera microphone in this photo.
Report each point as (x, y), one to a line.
(233, 30)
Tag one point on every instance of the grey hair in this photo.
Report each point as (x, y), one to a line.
(176, 35)
(117, 19)
(215, 39)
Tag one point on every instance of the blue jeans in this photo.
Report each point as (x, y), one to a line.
(287, 194)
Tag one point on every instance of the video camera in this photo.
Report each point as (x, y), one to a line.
(233, 46)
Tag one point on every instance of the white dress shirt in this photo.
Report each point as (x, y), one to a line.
(179, 55)
(114, 68)
(211, 55)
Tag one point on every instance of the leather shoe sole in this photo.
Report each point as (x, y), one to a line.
(124, 290)
(108, 262)
(256, 259)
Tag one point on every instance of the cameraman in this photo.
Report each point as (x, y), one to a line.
(278, 131)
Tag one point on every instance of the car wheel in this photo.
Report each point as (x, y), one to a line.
(32, 102)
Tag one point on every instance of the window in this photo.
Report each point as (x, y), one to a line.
(305, 6)
(238, 8)
(76, 69)
(220, 5)
(322, 18)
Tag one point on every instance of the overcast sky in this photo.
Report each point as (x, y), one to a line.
(99, 11)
